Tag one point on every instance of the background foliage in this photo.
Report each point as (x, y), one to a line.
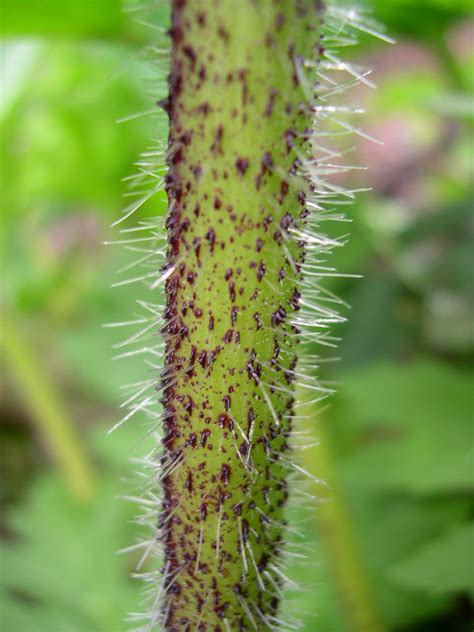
(396, 443)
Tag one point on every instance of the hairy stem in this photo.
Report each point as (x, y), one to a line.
(239, 115)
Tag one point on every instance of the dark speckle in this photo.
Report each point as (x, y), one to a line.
(216, 146)
(290, 136)
(267, 160)
(223, 33)
(190, 54)
(271, 102)
(233, 314)
(242, 165)
(211, 238)
(278, 316)
(189, 482)
(257, 318)
(205, 434)
(228, 336)
(225, 473)
(279, 21)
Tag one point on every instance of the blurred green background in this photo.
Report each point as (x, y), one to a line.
(392, 545)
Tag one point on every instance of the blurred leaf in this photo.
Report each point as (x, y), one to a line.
(375, 329)
(87, 334)
(407, 92)
(419, 18)
(63, 562)
(415, 428)
(102, 19)
(63, 544)
(436, 252)
(401, 430)
(392, 527)
(452, 220)
(63, 161)
(48, 161)
(442, 565)
(104, 377)
(460, 106)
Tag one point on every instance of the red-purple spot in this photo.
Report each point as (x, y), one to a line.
(225, 473)
(242, 165)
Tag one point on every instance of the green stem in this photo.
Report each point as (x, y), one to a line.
(47, 411)
(240, 109)
(335, 524)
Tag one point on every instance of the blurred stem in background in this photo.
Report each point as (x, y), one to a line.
(47, 412)
(334, 522)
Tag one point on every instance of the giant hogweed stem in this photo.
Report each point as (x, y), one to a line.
(239, 120)
(244, 308)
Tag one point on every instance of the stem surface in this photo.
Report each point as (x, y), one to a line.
(240, 118)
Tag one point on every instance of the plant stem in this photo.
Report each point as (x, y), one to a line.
(334, 522)
(47, 411)
(240, 109)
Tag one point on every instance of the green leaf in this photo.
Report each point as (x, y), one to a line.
(414, 428)
(391, 527)
(374, 330)
(420, 18)
(64, 560)
(455, 105)
(443, 565)
(88, 18)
